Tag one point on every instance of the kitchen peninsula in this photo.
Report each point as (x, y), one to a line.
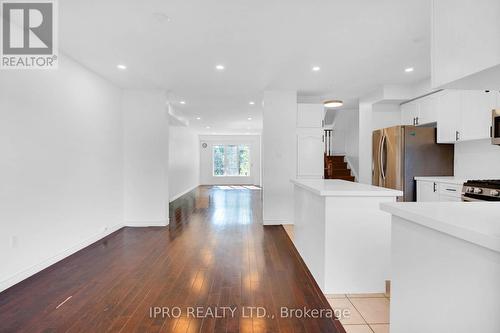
(445, 262)
(342, 235)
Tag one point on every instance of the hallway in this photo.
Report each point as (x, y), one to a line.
(215, 254)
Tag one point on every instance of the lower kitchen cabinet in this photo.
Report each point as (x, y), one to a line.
(427, 191)
(444, 189)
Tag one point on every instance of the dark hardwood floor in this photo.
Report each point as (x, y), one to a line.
(214, 254)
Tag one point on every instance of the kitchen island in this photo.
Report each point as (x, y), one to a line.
(342, 235)
(445, 267)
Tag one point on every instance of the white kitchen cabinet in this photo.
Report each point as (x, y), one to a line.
(465, 40)
(420, 111)
(476, 106)
(409, 112)
(427, 191)
(444, 189)
(449, 116)
(310, 150)
(427, 109)
(465, 115)
(310, 115)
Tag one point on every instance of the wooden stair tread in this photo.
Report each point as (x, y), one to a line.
(349, 178)
(336, 168)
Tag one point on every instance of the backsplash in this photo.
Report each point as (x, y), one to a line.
(477, 160)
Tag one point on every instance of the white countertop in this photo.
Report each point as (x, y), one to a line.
(343, 188)
(475, 222)
(441, 179)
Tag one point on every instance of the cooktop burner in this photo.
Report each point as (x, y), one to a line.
(488, 183)
(481, 190)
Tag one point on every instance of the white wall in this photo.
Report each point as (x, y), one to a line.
(371, 117)
(477, 160)
(61, 166)
(365, 142)
(184, 161)
(145, 139)
(386, 115)
(279, 156)
(206, 159)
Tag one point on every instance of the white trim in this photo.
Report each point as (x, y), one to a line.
(177, 196)
(353, 171)
(276, 222)
(143, 224)
(26, 273)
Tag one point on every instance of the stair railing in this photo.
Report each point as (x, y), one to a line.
(328, 140)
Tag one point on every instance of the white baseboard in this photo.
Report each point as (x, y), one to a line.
(276, 222)
(177, 196)
(20, 276)
(143, 224)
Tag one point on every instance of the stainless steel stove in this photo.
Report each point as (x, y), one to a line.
(481, 190)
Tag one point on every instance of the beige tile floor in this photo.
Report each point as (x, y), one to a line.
(369, 313)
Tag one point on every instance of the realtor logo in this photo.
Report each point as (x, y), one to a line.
(29, 39)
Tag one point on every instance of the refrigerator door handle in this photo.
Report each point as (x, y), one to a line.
(381, 156)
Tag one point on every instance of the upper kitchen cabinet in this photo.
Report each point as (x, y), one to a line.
(476, 114)
(465, 115)
(310, 144)
(420, 111)
(449, 116)
(310, 150)
(409, 113)
(428, 109)
(465, 44)
(310, 115)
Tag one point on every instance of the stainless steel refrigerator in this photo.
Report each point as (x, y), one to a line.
(402, 153)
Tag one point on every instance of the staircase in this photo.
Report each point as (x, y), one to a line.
(335, 165)
(336, 168)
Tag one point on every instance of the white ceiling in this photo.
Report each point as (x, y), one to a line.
(264, 44)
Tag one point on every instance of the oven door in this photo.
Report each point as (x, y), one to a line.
(468, 199)
(495, 127)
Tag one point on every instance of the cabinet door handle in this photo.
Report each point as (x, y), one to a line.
(434, 188)
(413, 121)
(416, 121)
(457, 135)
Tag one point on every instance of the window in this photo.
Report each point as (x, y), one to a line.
(231, 160)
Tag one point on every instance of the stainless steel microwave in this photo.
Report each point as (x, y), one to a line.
(495, 127)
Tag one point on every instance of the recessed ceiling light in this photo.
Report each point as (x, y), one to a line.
(316, 68)
(121, 66)
(220, 67)
(182, 102)
(249, 118)
(333, 103)
(207, 127)
(409, 69)
(198, 118)
(251, 103)
(161, 17)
